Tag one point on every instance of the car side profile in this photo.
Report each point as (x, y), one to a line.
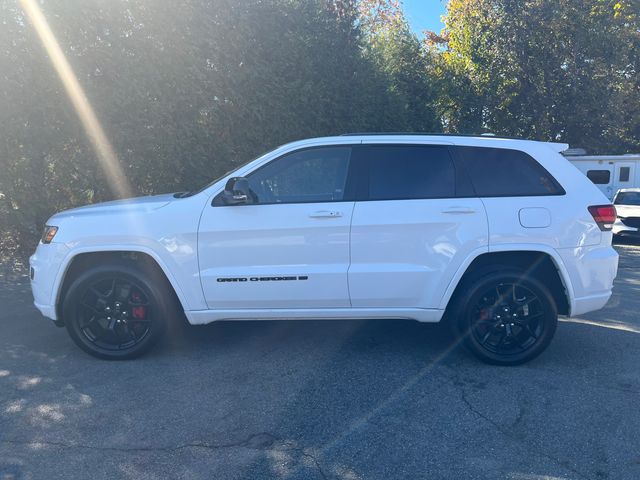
(495, 236)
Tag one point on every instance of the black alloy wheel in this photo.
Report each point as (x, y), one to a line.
(506, 318)
(117, 312)
(114, 313)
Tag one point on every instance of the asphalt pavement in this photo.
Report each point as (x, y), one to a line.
(322, 400)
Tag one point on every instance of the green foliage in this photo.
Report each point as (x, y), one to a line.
(187, 89)
(546, 70)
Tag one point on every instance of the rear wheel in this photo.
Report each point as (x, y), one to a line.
(506, 317)
(117, 312)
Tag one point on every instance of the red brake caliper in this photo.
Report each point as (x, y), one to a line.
(138, 312)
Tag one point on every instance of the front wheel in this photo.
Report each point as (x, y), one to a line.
(116, 312)
(506, 317)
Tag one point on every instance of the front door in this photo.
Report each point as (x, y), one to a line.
(288, 248)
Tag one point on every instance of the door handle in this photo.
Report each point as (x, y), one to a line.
(325, 214)
(455, 210)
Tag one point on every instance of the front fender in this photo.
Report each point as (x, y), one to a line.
(191, 298)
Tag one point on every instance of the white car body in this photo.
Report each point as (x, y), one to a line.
(628, 221)
(383, 259)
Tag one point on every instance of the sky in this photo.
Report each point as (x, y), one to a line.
(424, 14)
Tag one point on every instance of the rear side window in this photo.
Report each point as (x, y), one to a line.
(599, 177)
(403, 172)
(499, 172)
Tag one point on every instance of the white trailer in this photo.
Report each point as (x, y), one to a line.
(608, 172)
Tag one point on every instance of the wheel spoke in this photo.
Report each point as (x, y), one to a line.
(526, 302)
(526, 320)
(501, 342)
(530, 332)
(113, 289)
(113, 298)
(89, 322)
(486, 337)
(129, 332)
(99, 293)
(139, 320)
(123, 292)
(86, 305)
(520, 342)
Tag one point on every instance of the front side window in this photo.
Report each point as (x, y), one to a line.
(599, 177)
(403, 172)
(306, 176)
(500, 172)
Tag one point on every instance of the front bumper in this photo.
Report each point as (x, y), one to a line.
(45, 266)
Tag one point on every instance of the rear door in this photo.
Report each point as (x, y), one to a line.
(413, 226)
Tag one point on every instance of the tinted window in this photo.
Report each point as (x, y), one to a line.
(628, 198)
(599, 177)
(499, 172)
(624, 174)
(409, 171)
(306, 176)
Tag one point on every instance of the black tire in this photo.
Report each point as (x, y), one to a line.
(504, 317)
(118, 311)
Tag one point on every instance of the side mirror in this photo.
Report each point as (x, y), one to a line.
(237, 192)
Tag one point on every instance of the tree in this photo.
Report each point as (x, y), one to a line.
(407, 67)
(185, 90)
(544, 70)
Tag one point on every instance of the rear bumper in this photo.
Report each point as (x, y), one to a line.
(620, 228)
(592, 270)
(589, 304)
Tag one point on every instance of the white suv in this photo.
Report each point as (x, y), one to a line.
(497, 236)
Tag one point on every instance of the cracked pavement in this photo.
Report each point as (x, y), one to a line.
(322, 400)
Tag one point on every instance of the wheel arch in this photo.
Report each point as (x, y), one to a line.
(80, 260)
(538, 261)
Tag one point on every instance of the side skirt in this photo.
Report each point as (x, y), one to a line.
(201, 317)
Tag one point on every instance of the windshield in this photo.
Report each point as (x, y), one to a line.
(628, 198)
(203, 188)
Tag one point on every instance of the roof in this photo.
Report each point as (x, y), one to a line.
(462, 138)
(430, 134)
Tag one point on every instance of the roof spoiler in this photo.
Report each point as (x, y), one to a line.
(557, 147)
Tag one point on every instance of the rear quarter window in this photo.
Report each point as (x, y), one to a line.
(500, 172)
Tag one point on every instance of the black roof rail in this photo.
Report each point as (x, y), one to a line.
(433, 134)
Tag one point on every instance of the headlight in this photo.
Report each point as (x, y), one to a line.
(48, 233)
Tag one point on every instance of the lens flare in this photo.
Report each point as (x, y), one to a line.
(103, 149)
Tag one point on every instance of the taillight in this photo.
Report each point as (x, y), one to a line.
(604, 215)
